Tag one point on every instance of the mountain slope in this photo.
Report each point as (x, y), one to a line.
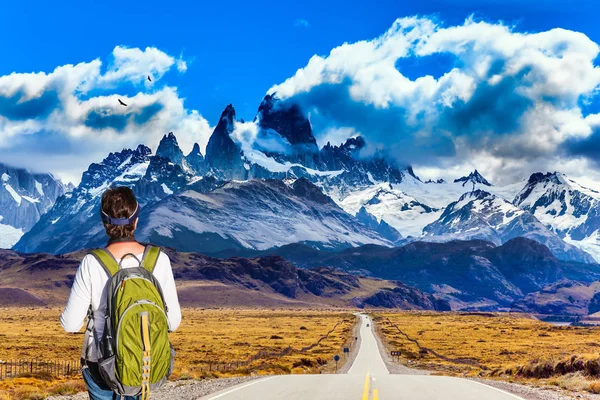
(482, 215)
(569, 209)
(562, 299)
(24, 198)
(255, 214)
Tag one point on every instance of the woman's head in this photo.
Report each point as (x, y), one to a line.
(119, 210)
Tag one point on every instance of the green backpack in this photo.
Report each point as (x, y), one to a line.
(135, 355)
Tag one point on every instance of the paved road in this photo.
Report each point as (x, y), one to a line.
(367, 379)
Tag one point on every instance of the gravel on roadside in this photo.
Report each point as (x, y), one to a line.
(536, 393)
(181, 390)
(349, 359)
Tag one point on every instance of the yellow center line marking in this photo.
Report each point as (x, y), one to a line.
(366, 389)
(375, 394)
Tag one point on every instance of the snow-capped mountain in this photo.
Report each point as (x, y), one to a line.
(409, 204)
(24, 197)
(357, 172)
(482, 215)
(387, 203)
(286, 148)
(564, 206)
(73, 222)
(254, 214)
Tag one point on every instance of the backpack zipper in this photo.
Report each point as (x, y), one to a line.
(125, 312)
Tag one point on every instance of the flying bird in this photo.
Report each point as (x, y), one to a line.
(121, 102)
(149, 79)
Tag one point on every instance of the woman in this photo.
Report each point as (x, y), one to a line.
(119, 209)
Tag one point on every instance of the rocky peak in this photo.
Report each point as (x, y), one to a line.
(549, 177)
(438, 181)
(473, 178)
(169, 148)
(288, 120)
(143, 150)
(195, 160)
(223, 155)
(227, 119)
(475, 195)
(114, 165)
(351, 146)
(196, 151)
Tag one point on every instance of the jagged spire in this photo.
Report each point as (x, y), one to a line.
(475, 178)
(169, 148)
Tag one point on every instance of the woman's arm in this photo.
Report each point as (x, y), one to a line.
(80, 298)
(164, 275)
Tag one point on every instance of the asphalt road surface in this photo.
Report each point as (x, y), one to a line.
(367, 379)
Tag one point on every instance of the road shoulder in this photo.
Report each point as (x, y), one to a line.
(393, 366)
(353, 348)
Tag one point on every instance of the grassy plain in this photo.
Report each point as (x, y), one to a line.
(252, 341)
(498, 346)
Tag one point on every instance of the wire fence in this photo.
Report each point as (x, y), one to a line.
(36, 367)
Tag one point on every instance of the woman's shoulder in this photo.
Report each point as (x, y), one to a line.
(163, 257)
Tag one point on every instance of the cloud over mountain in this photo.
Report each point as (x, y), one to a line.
(445, 99)
(507, 99)
(60, 120)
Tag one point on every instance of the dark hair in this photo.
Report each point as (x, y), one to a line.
(119, 202)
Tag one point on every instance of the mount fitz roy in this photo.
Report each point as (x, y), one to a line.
(280, 188)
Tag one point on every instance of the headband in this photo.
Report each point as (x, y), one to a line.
(120, 221)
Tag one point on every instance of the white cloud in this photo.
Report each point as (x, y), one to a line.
(134, 65)
(509, 100)
(73, 114)
(181, 65)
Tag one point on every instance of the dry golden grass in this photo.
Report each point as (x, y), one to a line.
(32, 388)
(506, 346)
(211, 337)
(205, 338)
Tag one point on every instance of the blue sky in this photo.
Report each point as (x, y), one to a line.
(510, 97)
(238, 51)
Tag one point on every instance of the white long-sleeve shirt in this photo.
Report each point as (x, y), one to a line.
(90, 285)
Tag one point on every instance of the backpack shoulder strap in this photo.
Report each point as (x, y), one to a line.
(106, 260)
(150, 258)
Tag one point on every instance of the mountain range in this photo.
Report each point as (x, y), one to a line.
(270, 281)
(468, 274)
(280, 188)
